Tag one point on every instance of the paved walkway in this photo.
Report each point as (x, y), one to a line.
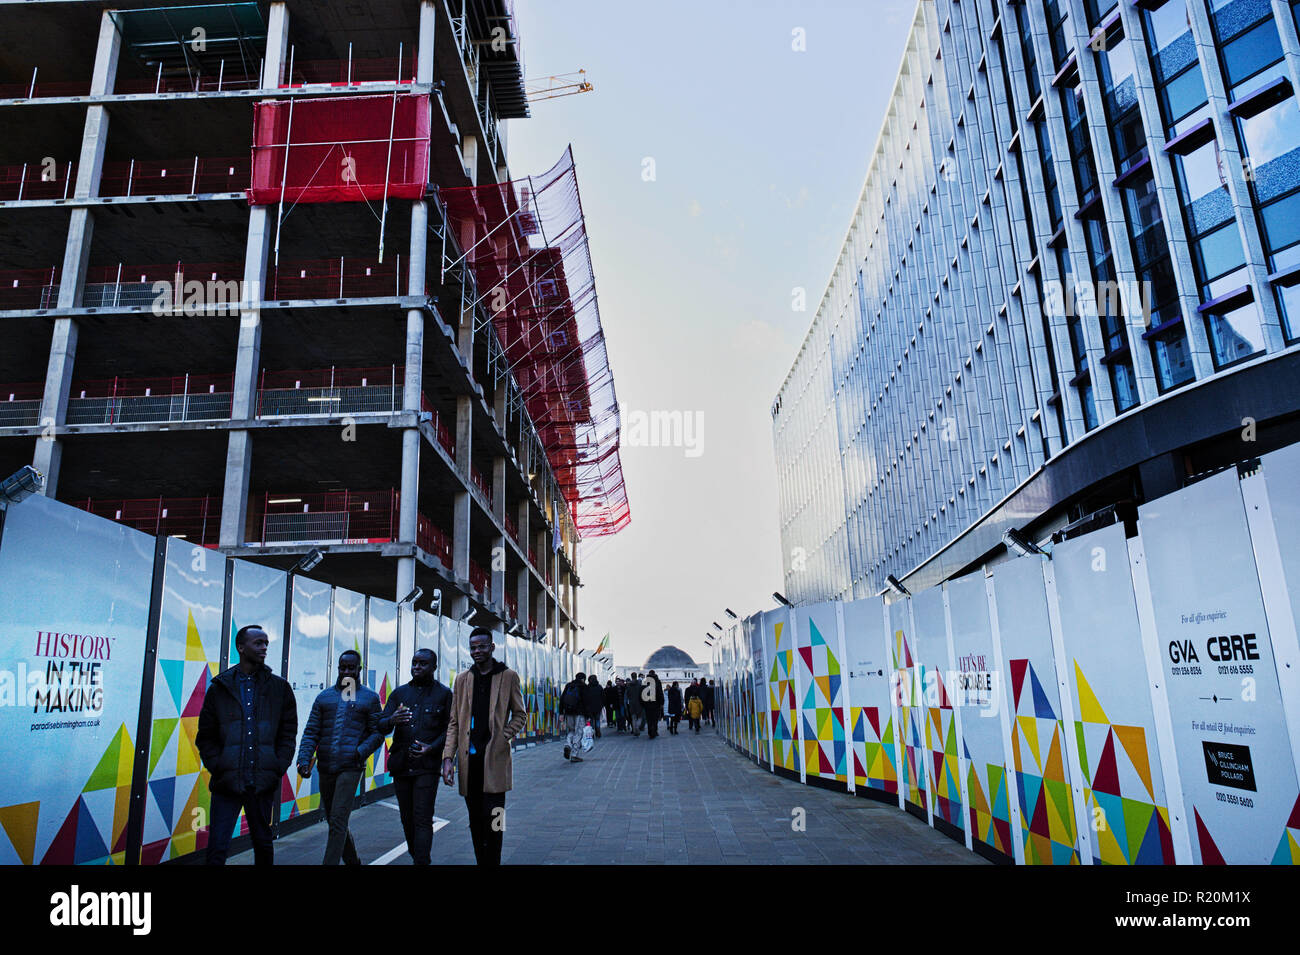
(677, 799)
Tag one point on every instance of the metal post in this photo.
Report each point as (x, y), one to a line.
(194, 180)
(340, 276)
(221, 73)
(32, 92)
(21, 180)
(185, 400)
(158, 82)
(112, 402)
(349, 64)
(67, 181)
(117, 287)
(130, 176)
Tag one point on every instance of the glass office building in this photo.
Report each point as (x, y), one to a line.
(1071, 281)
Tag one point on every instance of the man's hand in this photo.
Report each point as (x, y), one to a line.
(304, 770)
(418, 748)
(403, 714)
(448, 771)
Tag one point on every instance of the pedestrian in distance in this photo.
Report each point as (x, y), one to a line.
(694, 704)
(674, 707)
(418, 714)
(612, 717)
(593, 702)
(708, 692)
(652, 700)
(247, 729)
(573, 709)
(635, 705)
(488, 713)
(341, 733)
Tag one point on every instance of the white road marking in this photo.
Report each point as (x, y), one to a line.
(397, 850)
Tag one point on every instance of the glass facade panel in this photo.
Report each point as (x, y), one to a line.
(1288, 304)
(1027, 51)
(1119, 89)
(1049, 176)
(1174, 66)
(1248, 43)
(1076, 127)
(1172, 358)
(1236, 335)
(1058, 29)
(1271, 144)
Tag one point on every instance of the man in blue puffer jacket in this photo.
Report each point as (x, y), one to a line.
(342, 731)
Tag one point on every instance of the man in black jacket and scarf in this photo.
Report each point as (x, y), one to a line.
(247, 729)
(342, 730)
(417, 715)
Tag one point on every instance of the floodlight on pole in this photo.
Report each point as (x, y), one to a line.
(308, 561)
(21, 485)
(1018, 543)
(731, 613)
(896, 585)
(780, 598)
(410, 599)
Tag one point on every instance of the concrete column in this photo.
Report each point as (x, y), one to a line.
(522, 578)
(412, 386)
(541, 613)
(469, 157)
(248, 355)
(465, 321)
(76, 256)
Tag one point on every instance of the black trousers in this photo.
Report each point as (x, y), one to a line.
(415, 798)
(487, 815)
(258, 808)
(337, 793)
(652, 718)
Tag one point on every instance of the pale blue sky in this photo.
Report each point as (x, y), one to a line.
(760, 152)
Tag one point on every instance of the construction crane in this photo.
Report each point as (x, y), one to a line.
(551, 87)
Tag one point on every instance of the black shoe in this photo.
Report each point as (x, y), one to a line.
(566, 750)
(575, 759)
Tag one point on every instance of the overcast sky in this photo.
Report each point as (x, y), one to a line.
(759, 153)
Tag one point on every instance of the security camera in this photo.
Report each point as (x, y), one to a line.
(410, 599)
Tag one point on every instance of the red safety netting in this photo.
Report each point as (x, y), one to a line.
(340, 150)
(526, 242)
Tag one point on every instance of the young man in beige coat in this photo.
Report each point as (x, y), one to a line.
(487, 712)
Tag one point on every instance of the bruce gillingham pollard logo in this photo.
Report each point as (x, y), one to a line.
(76, 908)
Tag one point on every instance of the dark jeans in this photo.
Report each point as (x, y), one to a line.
(695, 722)
(487, 815)
(673, 720)
(652, 719)
(338, 792)
(415, 798)
(258, 808)
(611, 716)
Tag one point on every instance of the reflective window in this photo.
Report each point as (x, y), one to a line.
(1172, 358)
(1076, 128)
(1057, 27)
(1089, 406)
(1174, 66)
(1049, 176)
(1249, 44)
(1027, 51)
(1288, 304)
(1235, 335)
(1203, 187)
(1271, 142)
(1119, 91)
(1097, 10)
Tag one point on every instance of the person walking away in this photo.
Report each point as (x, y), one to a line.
(572, 708)
(611, 705)
(635, 705)
(488, 713)
(708, 691)
(652, 699)
(248, 725)
(674, 707)
(593, 702)
(342, 731)
(418, 714)
(693, 693)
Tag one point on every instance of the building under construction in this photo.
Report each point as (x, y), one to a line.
(267, 284)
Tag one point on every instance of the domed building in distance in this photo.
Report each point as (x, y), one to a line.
(669, 663)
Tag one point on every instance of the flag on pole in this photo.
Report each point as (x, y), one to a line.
(604, 644)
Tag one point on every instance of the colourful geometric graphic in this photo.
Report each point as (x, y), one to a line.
(1038, 744)
(1129, 828)
(990, 821)
(825, 747)
(177, 804)
(874, 758)
(1288, 847)
(782, 705)
(941, 748)
(911, 712)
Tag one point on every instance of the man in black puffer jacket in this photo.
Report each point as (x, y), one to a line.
(417, 715)
(342, 730)
(593, 702)
(247, 729)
